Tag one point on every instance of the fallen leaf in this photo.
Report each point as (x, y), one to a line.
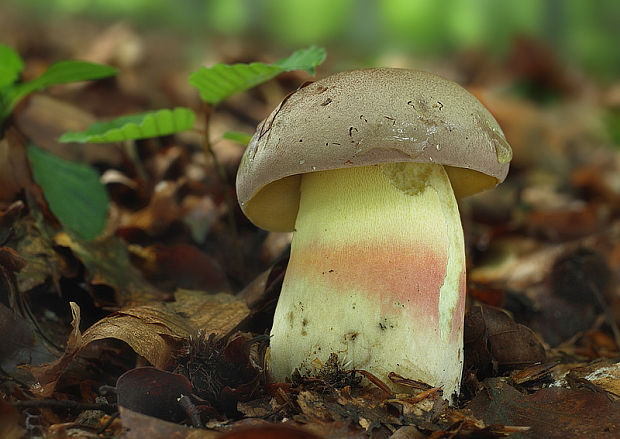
(492, 338)
(153, 392)
(604, 375)
(14, 166)
(553, 412)
(163, 209)
(182, 266)
(261, 296)
(10, 260)
(19, 346)
(536, 62)
(107, 262)
(157, 331)
(515, 262)
(270, 432)
(592, 344)
(600, 179)
(10, 422)
(139, 426)
(531, 374)
(35, 245)
(211, 313)
(43, 119)
(570, 222)
(152, 331)
(48, 374)
(408, 432)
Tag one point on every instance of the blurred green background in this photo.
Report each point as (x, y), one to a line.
(582, 33)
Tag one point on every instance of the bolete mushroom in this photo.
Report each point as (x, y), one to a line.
(364, 166)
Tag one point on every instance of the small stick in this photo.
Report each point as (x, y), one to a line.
(68, 405)
(376, 381)
(191, 410)
(113, 416)
(606, 311)
(208, 147)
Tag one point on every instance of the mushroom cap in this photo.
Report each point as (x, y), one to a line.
(362, 118)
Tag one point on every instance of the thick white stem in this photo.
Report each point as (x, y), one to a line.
(376, 275)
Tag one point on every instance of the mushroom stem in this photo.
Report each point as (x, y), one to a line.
(376, 275)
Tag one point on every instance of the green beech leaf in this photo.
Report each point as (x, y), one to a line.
(64, 72)
(73, 191)
(304, 59)
(11, 66)
(222, 80)
(235, 136)
(135, 126)
(61, 72)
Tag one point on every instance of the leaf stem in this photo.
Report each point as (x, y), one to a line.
(221, 172)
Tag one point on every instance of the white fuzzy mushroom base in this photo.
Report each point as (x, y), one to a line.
(376, 275)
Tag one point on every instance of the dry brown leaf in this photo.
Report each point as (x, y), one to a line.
(44, 119)
(408, 432)
(604, 375)
(216, 313)
(10, 422)
(516, 263)
(181, 266)
(151, 330)
(19, 346)
(155, 331)
(492, 338)
(550, 413)
(574, 221)
(270, 432)
(107, 262)
(48, 374)
(162, 210)
(14, 168)
(312, 405)
(36, 247)
(141, 426)
(153, 392)
(10, 260)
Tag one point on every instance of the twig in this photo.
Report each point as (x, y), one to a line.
(376, 381)
(191, 410)
(67, 405)
(221, 172)
(113, 416)
(608, 316)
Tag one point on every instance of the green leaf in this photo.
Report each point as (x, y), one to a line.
(64, 72)
(135, 126)
(73, 191)
(222, 80)
(304, 59)
(61, 72)
(11, 66)
(235, 136)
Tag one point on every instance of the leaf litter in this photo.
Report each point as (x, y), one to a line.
(154, 321)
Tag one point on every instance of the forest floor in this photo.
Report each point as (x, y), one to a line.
(100, 338)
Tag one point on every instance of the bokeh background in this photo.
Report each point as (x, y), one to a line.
(364, 32)
(544, 245)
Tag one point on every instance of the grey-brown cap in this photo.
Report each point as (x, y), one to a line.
(367, 117)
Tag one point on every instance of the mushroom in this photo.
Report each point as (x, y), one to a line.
(365, 167)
